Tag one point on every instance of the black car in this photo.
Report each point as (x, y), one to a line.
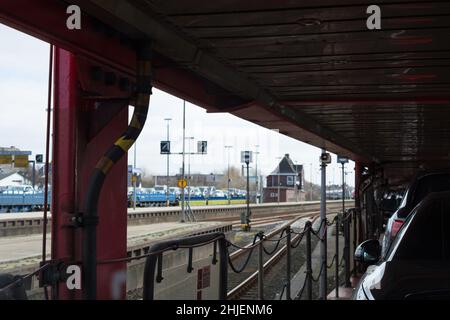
(417, 263)
(423, 184)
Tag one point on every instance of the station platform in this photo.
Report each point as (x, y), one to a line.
(344, 293)
(27, 248)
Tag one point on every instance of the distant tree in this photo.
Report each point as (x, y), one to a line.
(237, 180)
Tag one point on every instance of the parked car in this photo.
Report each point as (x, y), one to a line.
(175, 190)
(417, 262)
(218, 194)
(422, 185)
(22, 189)
(389, 203)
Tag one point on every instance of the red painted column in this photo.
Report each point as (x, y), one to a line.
(63, 183)
(83, 131)
(112, 209)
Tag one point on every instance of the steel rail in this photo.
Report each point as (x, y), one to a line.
(250, 281)
(236, 254)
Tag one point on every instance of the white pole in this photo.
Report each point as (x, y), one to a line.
(182, 167)
(168, 154)
(134, 178)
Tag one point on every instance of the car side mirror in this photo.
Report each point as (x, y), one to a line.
(368, 252)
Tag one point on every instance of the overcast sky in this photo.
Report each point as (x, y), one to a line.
(23, 92)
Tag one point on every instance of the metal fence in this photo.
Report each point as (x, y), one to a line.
(346, 225)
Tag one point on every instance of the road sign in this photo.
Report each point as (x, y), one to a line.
(21, 161)
(246, 156)
(165, 147)
(5, 159)
(202, 147)
(182, 183)
(342, 159)
(39, 158)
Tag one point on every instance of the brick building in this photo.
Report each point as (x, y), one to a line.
(287, 178)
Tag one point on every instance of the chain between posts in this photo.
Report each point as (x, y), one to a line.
(259, 239)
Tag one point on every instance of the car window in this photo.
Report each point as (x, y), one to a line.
(430, 183)
(426, 234)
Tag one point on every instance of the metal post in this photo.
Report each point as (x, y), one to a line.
(256, 173)
(354, 239)
(183, 217)
(248, 195)
(168, 154)
(308, 227)
(189, 170)
(228, 173)
(343, 188)
(347, 221)
(311, 183)
(323, 233)
(337, 256)
(278, 180)
(288, 263)
(135, 180)
(260, 271)
(34, 174)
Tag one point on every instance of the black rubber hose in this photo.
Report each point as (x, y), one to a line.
(111, 157)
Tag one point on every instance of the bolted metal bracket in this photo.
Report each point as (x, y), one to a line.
(80, 221)
(54, 273)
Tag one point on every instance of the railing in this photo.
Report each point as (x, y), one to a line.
(346, 222)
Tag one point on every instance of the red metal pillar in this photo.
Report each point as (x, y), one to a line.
(64, 206)
(83, 131)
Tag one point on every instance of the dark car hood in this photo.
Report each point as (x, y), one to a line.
(398, 279)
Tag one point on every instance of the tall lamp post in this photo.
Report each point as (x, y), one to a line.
(256, 173)
(183, 197)
(278, 178)
(228, 173)
(343, 160)
(325, 158)
(246, 157)
(189, 168)
(134, 177)
(311, 182)
(168, 154)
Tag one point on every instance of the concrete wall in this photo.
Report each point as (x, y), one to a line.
(29, 223)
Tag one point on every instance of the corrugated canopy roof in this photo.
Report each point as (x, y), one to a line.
(312, 69)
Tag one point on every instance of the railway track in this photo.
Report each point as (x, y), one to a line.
(244, 286)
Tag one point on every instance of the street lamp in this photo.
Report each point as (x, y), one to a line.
(167, 181)
(228, 173)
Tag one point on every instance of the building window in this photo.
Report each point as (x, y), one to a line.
(290, 180)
